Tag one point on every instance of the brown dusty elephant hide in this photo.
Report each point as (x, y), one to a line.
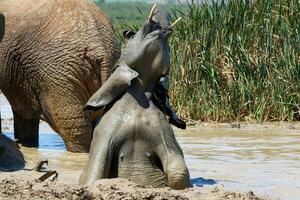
(54, 55)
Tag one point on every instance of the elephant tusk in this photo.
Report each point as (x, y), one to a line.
(151, 13)
(174, 23)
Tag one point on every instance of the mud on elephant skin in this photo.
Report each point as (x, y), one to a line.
(54, 55)
(133, 139)
(11, 157)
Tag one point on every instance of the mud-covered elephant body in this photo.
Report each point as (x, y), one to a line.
(134, 139)
(54, 55)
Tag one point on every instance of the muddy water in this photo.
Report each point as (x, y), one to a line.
(264, 159)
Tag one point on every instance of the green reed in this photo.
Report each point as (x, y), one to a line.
(232, 60)
(237, 61)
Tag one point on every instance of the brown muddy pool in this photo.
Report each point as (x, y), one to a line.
(262, 158)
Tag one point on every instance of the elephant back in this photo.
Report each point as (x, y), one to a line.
(52, 45)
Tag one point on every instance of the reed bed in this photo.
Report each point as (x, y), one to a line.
(232, 60)
(237, 61)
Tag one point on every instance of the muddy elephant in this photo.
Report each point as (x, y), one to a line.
(11, 157)
(54, 55)
(133, 139)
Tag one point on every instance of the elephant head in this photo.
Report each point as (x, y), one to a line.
(133, 139)
(148, 53)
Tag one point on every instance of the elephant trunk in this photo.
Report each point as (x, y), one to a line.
(177, 174)
(174, 166)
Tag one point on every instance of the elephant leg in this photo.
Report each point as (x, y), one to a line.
(76, 133)
(69, 120)
(26, 130)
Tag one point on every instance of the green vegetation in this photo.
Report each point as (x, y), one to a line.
(125, 15)
(131, 13)
(236, 61)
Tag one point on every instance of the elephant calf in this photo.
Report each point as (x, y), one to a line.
(133, 138)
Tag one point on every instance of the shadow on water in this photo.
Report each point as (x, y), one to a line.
(200, 182)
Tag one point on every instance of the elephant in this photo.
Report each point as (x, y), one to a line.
(11, 157)
(161, 100)
(2, 30)
(2, 26)
(54, 55)
(133, 138)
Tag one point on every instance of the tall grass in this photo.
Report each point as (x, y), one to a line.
(231, 60)
(237, 61)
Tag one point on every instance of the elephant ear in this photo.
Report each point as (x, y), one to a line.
(2, 26)
(115, 85)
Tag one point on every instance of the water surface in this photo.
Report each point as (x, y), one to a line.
(266, 161)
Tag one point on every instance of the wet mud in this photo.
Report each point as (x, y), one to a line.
(114, 189)
(239, 157)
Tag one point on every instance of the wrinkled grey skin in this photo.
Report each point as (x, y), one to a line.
(133, 139)
(160, 93)
(11, 157)
(54, 55)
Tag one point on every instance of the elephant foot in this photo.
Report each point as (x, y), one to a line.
(26, 130)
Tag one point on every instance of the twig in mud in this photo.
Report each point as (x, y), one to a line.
(38, 166)
(48, 175)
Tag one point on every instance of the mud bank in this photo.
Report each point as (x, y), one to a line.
(22, 186)
(279, 126)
